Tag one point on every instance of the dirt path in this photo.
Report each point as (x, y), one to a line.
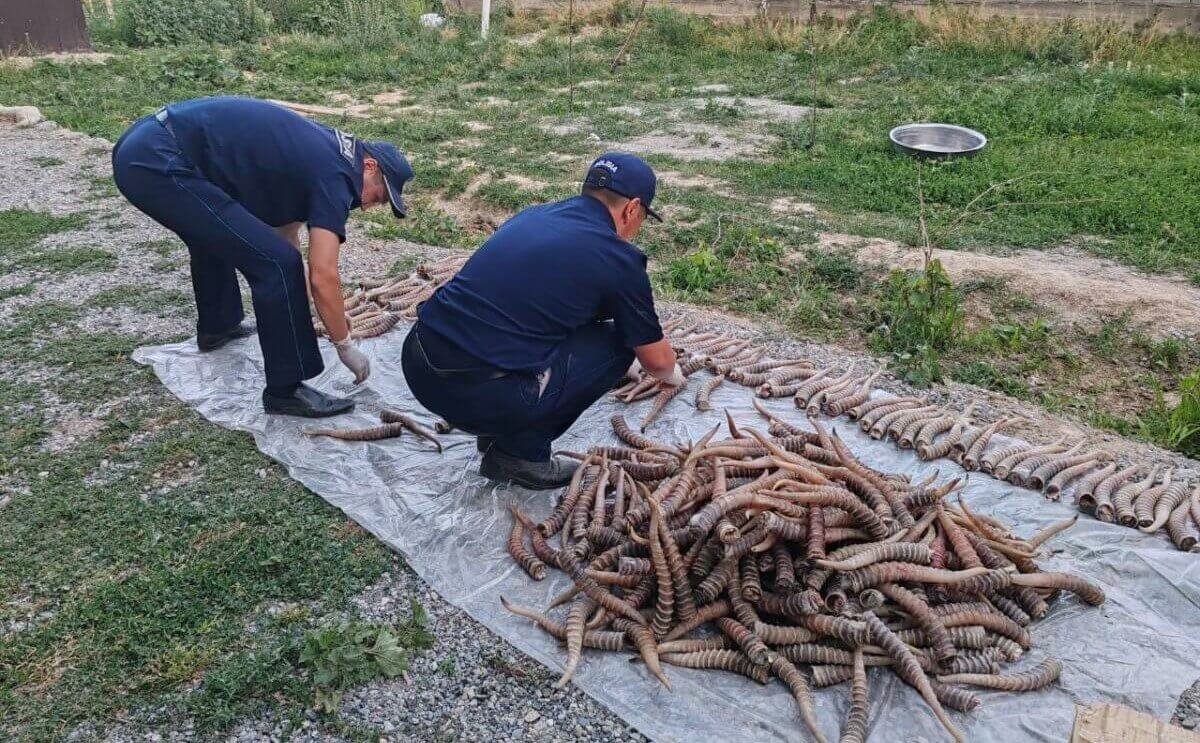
(1079, 288)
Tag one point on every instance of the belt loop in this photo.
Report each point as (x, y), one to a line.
(164, 119)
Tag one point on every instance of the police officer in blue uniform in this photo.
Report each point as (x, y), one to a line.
(235, 178)
(541, 321)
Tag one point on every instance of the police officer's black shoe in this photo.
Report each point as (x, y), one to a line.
(212, 341)
(483, 443)
(556, 473)
(305, 402)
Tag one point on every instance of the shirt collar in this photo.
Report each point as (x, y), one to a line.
(359, 154)
(597, 210)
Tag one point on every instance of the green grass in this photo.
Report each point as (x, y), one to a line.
(139, 298)
(20, 290)
(21, 229)
(71, 260)
(135, 560)
(43, 161)
(151, 545)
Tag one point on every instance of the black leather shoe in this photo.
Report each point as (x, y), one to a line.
(556, 473)
(483, 443)
(212, 341)
(306, 403)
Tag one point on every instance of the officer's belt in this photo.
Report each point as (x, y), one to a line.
(481, 374)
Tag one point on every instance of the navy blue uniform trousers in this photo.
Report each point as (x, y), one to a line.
(523, 421)
(221, 237)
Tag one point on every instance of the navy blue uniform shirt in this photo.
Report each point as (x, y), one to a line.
(548, 271)
(279, 165)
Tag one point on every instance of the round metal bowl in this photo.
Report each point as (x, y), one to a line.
(937, 140)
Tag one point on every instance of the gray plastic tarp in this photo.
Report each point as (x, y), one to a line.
(1141, 648)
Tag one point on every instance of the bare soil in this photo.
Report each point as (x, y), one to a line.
(762, 108)
(693, 141)
(1081, 289)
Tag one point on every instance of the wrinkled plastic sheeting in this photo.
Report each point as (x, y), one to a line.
(1141, 648)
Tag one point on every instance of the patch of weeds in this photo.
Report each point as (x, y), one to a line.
(353, 652)
(698, 271)
(1014, 337)
(101, 187)
(1112, 337)
(138, 298)
(720, 113)
(447, 668)
(44, 161)
(1164, 354)
(507, 195)
(404, 266)
(165, 266)
(918, 317)
(811, 306)
(71, 260)
(165, 248)
(425, 225)
(985, 374)
(1176, 426)
(20, 290)
(675, 29)
(21, 229)
(837, 269)
(1105, 420)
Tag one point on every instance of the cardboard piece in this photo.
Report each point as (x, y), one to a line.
(1113, 723)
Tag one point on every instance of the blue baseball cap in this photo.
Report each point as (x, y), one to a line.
(624, 174)
(395, 169)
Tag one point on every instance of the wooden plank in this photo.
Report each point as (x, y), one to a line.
(36, 26)
(1113, 723)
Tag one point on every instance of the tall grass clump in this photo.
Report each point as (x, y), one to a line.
(1175, 427)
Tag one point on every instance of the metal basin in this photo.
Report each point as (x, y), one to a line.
(937, 140)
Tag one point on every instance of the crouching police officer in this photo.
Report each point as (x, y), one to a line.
(235, 178)
(542, 320)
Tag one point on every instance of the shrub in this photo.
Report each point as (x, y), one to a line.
(356, 21)
(919, 317)
(676, 29)
(178, 22)
(698, 271)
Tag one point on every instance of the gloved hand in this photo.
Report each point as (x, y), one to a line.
(354, 360)
(676, 379)
(635, 371)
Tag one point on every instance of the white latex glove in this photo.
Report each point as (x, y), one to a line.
(635, 370)
(676, 379)
(354, 360)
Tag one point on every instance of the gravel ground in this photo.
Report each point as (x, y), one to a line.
(471, 685)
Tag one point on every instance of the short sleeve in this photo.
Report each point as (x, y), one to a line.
(631, 306)
(329, 204)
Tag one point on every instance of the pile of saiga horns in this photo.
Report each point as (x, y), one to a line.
(376, 306)
(1150, 498)
(764, 554)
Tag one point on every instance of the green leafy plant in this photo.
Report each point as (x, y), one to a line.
(147, 23)
(698, 271)
(352, 652)
(920, 316)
